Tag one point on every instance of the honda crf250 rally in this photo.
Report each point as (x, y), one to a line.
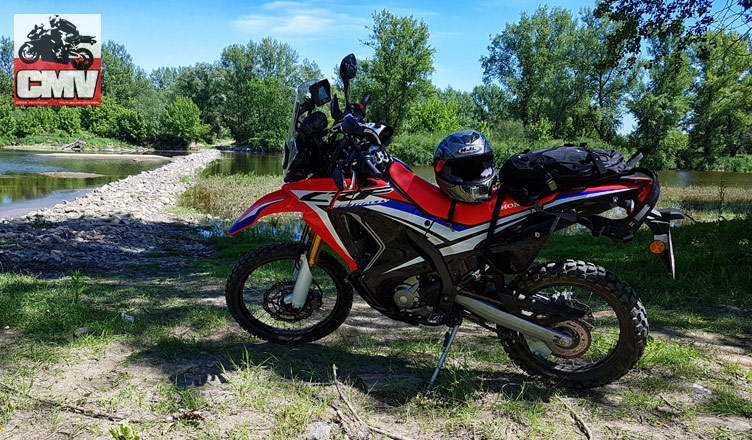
(435, 256)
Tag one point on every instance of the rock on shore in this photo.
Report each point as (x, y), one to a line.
(124, 222)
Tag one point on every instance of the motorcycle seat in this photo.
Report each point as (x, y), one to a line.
(429, 199)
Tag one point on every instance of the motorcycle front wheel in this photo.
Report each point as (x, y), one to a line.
(27, 54)
(257, 287)
(608, 340)
(81, 59)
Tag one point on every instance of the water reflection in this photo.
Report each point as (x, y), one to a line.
(20, 179)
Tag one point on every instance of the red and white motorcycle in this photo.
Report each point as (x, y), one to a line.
(413, 260)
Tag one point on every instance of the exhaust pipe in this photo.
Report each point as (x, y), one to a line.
(507, 320)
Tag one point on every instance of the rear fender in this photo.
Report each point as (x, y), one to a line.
(659, 222)
(272, 203)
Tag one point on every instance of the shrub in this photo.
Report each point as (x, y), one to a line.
(131, 125)
(35, 120)
(69, 120)
(182, 121)
(432, 116)
(7, 123)
(112, 120)
(415, 148)
(541, 130)
(101, 119)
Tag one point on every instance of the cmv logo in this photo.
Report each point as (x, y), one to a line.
(58, 59)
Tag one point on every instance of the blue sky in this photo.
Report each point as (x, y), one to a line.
(179, 33)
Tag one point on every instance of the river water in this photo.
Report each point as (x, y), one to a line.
(23, 188)
(272, 164)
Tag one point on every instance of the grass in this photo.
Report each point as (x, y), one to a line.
(183, 351)
(227, 197)
(62, 138)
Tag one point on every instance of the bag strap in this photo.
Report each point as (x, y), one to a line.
(450, 215)
(597, 161)
(491, 228)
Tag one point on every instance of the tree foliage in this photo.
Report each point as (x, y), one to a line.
(252, 113)
(399, 71)
(683, 21)
(182, 121)
(532, 61)
(662, 105)
(721, 116)
(265, 115)
(6, 65)
(551, 76)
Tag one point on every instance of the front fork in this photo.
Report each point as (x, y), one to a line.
(302, 274)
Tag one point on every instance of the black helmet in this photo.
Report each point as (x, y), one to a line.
(464, 166)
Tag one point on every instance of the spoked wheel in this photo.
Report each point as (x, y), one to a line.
(607, 342)
(260, 282)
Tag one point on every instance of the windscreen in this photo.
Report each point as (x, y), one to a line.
(293, 160)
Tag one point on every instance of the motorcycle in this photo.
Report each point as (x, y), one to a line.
(410, 258)
(42, 45)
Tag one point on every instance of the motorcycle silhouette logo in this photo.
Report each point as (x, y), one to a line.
(58, 44)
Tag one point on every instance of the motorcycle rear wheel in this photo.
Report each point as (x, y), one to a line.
(614, 331)
(86, 58)
(259, 282)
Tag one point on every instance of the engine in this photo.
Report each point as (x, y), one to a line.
(406, 294)
(416, 295)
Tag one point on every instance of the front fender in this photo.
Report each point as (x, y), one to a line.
(272, 203)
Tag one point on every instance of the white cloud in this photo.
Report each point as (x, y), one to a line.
(286, 19)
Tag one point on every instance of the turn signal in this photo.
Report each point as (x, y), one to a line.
(657, 246)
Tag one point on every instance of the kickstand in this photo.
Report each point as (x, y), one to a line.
(448, 339)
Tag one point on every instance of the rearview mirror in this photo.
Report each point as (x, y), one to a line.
(348, 68)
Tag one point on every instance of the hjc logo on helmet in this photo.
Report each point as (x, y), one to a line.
(58, 63)
(469, 149)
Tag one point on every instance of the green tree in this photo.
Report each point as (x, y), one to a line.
(490, 104)
(399, 71)
(6, 65)
(163, 77)
(247, 71)
(113, 120)
(533, 62)
(721, 118)
(682, 21)
(465, 106)
(202, 83)
(7, 122)
(662, 105)
(265, 115)
(121, 78)
(131, 88)
(182, 121)
(607, 83)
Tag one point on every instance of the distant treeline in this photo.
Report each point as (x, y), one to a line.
(548, 78)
